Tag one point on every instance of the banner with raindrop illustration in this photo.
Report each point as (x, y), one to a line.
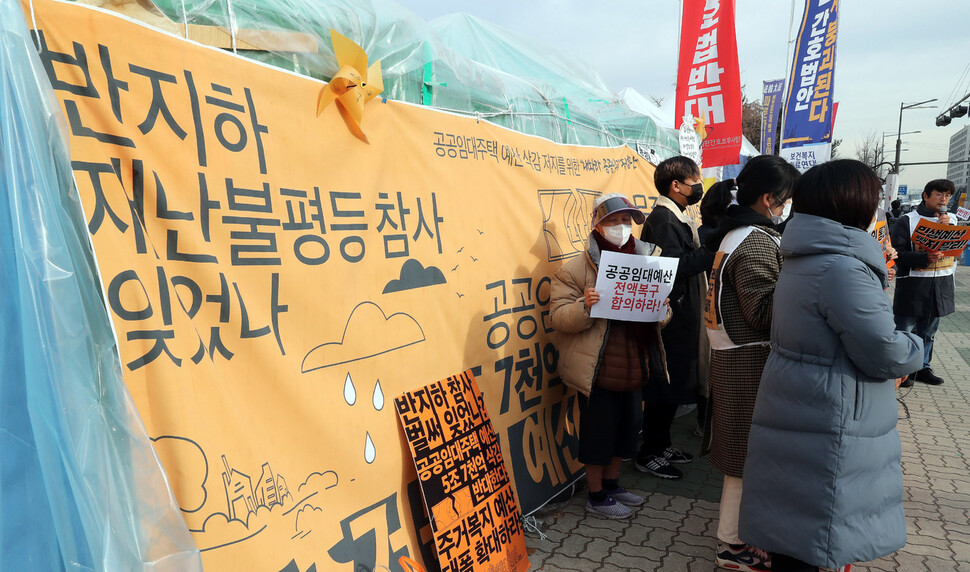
(274, 281)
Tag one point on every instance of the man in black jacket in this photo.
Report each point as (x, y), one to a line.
(895, 211)
(670, 227)
(924, 280)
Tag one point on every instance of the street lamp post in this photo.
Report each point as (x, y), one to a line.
(882, 147)
(899, 132)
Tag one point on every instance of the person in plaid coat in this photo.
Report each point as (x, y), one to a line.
(738, 319)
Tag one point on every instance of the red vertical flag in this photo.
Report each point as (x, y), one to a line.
(709, 79)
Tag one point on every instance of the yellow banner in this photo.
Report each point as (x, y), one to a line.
(274, 282)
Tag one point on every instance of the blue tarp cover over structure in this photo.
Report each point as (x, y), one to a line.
(80, 485)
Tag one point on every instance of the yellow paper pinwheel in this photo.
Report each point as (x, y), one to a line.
(700, 127)
(354, 84)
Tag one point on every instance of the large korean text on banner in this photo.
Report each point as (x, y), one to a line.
(708, 78)
(274, 280)
(809, 104)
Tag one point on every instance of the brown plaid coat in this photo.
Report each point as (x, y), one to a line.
(749, 279)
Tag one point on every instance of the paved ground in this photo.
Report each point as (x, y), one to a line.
(675, 529)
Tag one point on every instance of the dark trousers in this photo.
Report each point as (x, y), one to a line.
(782, 563)
(657, 419)
(924, 327)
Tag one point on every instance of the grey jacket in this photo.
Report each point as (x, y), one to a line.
(822, 479)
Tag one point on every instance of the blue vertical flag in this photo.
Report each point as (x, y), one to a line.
(809, 105)
(770, 106)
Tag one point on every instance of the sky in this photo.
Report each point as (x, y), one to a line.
(889, 52)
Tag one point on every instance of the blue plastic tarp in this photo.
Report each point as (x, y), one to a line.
(81, 487)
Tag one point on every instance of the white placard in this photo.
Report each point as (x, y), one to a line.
(690, 145)
(963, 213)
(632, 287)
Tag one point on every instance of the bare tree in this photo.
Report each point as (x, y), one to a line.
(869, 150)
(751, 120)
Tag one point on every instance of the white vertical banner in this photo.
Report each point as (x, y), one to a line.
(889, 191)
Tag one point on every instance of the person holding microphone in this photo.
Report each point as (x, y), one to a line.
(924, 285)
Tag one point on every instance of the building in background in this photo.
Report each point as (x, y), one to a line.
(959, 173)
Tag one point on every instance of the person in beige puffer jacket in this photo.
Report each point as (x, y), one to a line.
(607, 361)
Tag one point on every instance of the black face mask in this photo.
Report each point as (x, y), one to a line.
(696, 193)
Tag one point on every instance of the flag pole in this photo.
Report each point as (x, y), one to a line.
(788, 55)
(680, 24)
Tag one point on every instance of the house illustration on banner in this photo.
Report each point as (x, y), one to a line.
(242, 499)
(239, 493)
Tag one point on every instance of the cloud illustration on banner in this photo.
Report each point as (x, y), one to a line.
(369, 332)
(310, 518)
(415, 275)
(317, 482)
(187, 455)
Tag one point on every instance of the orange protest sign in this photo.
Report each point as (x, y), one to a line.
(935, 237)
(273, 280)
(467, 491)
(881, 234)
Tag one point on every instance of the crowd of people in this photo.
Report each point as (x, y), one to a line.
(780, 329)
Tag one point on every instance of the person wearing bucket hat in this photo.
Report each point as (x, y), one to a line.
(607, 361)
(670, 227)
(615, 203)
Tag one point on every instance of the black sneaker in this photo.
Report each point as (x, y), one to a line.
(658, 466)
(927, 376)
(909, 381)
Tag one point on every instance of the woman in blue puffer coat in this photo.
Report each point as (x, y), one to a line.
(823, 485)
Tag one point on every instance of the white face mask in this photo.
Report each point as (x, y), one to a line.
(872, 225)
(785, 211)
(617, 234)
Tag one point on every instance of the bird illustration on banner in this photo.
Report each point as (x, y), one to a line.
(354, 84)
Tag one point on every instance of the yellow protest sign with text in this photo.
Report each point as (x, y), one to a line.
(274, 281)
